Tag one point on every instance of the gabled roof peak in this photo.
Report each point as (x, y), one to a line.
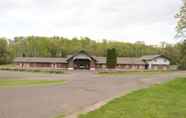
(81, 51)
(150, 57)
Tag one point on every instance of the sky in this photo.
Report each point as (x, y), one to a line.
(151, 21)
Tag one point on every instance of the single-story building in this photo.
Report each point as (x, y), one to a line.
(83, 60)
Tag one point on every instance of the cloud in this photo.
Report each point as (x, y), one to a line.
(130, 20)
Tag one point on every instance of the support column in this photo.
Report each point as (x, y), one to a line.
(150, 66)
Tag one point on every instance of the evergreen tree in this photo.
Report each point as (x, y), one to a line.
(111, 58)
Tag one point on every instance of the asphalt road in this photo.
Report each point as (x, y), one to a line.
(81, 89)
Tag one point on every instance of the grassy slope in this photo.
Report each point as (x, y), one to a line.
(160, 101)
(17, 82)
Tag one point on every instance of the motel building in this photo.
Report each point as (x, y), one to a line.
(83, 60)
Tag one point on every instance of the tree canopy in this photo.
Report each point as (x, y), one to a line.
(6, 54)
(59, 47)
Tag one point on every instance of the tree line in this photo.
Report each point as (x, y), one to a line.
(35, 46)
(60, 47)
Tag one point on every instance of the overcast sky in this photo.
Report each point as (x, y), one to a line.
(151, 21)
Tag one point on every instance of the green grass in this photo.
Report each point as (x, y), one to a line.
(60, 116)
(19, 82)
(7, 65)
(159, 101)
(129, 73)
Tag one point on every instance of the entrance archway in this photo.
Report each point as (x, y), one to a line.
(81, 64)
(146, 66)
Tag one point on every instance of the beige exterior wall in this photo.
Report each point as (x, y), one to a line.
(130, 66)
(123, 66)
(160, 67)
(41, 65)
(159, 63)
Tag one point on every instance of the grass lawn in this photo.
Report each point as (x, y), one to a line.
(19, 82)
(159, 101)
(129, 73)
(7, 65)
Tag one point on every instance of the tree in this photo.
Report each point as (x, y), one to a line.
(111, 58)
(181, 17)
(171, 51)
(5, 53)
(182, 63)
(181, 30)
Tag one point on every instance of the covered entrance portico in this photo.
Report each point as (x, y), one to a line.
(81, 60)
(82, 64)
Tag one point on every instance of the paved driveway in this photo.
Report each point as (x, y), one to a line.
(82, 89)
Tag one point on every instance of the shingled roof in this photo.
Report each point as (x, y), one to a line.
(129, 60)
(40, 60)
(99, 60)
(150, 57)
(121, 60)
